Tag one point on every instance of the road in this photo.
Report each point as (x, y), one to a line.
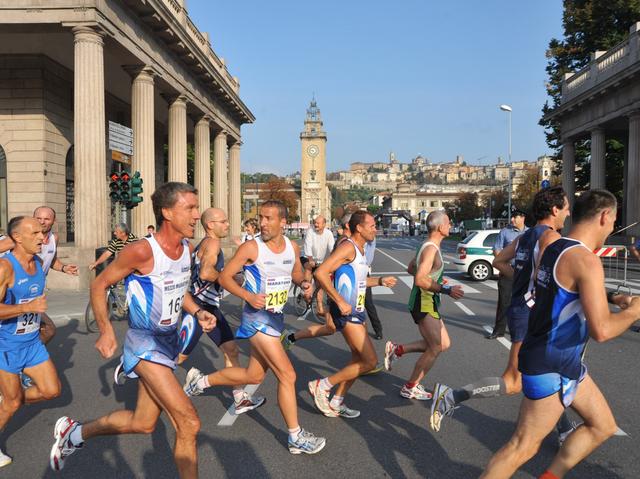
(391, 437)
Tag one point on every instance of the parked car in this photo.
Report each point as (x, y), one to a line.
(475, 254)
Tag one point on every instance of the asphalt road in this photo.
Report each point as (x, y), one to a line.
(391, 437)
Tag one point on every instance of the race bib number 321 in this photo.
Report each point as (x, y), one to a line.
(28, 322)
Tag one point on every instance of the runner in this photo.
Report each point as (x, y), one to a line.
(570, 305)
(550, 210)
(207, 262)
(22, 281)
(270, 263)
(423, 305)
(346, 292)
(156, 272)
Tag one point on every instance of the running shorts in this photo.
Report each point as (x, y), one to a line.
(16, 360)
(540, 386)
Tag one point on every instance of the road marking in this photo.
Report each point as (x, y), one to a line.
(384, 273)
(464, 308)
(507, 344)
(465, 287)
(491, 284)
(391, 257)
(230, 416)
(408, 280)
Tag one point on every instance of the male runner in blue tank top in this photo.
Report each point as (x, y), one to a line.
(346, 293)
(270, 263)
(570, 306)
(207, 263)
(550, 209)
(22, 303)
(156, 272)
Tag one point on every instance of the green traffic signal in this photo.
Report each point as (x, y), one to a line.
(135, 189)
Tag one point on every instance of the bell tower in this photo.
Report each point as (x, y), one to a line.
(315, 196)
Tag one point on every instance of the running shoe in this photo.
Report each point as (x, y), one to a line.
(119, 376)
(4, 459)
(562, 436)
(320, 398)
(389, 354)
(191, 387)
(248, 403)
(284, 339)
(26, 381)
(379, 367)
(416, 392)
(306, 443)
(442, 405)
(62, 447)
(344, 411)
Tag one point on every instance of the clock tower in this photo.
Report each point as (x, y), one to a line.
(315, 196)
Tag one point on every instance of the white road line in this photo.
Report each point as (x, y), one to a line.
(230, 416)
(391, 257)
(465, 287)
(491, 284)
(507, 344)
(408, 280)
(381, 290)
(464, 308)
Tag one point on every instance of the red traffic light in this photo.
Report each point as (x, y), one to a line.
(114, 176)
(125, 176)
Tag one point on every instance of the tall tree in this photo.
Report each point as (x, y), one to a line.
(589, 25)
(467, 207)
(278, 189)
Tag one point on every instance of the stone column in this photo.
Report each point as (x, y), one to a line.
(631, 193)
(202, 170)
(569, 169)
(235, 200)
(89, 123)
(220, 170)
(177, 139)
(142, 118)
(598, 147)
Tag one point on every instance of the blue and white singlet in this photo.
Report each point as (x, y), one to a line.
(48, 253)
(206, 292)
(350, 281)
(527, 251)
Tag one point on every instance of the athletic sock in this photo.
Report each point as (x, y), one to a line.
(292, 338)
(76, 436)
(238, 394)
(325, 385)
(548, 475)
(399, 350)
(203, 382)
(336, 401)
(564, 425)
(410, 385)
(294, 433)
(484, 388)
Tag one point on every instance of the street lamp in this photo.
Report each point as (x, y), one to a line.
(508, 109)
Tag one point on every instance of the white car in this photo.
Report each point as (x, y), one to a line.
(475, 254)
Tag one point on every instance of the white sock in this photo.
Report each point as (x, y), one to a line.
(238, 394)
(294, 433)
(76, 436)
(325, 385)
(203, 382)
(336, 401)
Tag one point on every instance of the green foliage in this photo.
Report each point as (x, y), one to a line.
(341, 197)
(373, 209)
(466, 207)
(589, 25)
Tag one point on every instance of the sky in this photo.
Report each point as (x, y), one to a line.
(412, 76)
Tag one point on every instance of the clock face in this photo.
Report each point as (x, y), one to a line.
(313, 150)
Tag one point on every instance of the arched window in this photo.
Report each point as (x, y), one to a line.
(70, 191)
(3, 191)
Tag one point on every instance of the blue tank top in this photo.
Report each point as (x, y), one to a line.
(350, 281)
(22, 330)
(557, 333)
(207, 292)
(525, 263)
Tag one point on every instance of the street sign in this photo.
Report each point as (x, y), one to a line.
(120, 157)
(120, 138)
(545, 184)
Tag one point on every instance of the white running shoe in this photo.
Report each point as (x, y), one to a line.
(320, 398)
(26, 381)
(62, 446)
(191, 387)
(344, 411)
(443, 405)
(389, 354)
(4, 459)
(248, 403)
(306, 443)
(119, 376)
(416, 392)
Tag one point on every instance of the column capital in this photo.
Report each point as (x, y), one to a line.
(221, 133)
(633, 115)
(176, 98)
(88, 33)
(201, 119)
(141, 72)
(596, 130)
(235, 145)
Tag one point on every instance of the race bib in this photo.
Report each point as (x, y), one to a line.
(277, 291)
(28, 322)
(362, 291)
(172, 299)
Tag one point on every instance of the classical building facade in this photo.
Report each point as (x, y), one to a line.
(314, 193)
(67, 68)
(603, 101)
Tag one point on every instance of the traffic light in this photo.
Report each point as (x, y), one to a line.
(135, 190)
(114, 187)
(125, 193)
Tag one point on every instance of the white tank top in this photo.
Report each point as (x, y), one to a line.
(48, 253)
(350, 280)
(270, 274)
(155, 299)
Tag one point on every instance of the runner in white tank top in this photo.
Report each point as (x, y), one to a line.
(157, 278)
(271, 262)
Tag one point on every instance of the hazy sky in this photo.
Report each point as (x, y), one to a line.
(413, 77)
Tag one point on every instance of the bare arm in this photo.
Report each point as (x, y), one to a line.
(246, 253)
(6, 244)
(297, 275)
(343, 254)
(8, 311)
(103, 257)
(422, 279)
(208, 260)
(411, 268)
(502, 262)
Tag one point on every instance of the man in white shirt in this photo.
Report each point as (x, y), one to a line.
(318, 244)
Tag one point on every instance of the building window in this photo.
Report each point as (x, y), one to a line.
(3, 191)
(434, 204)
(312, 174)
(70, 192)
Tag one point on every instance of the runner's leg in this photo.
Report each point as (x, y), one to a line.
(12, 396)
(46, 383)
(436, 339)
(47, 328)
(358, 340)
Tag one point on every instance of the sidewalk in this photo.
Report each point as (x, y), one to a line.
(64, 305)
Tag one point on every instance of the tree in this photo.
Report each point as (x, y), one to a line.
(467, 207)
(373, 209)
(278, 189)
(499, 203)
(589, 25)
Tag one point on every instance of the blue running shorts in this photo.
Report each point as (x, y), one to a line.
(16, 360)
(540, 386)
(191, 331)
(141, 344)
